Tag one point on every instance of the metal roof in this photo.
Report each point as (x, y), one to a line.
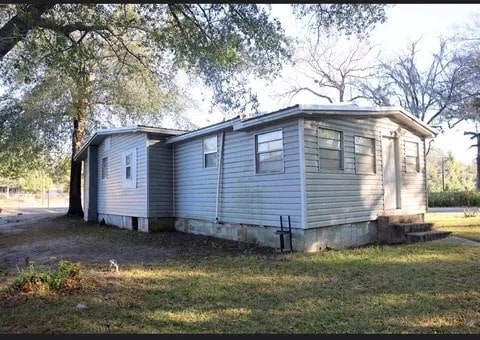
(237, 124)
(396, 113)
(99, 135)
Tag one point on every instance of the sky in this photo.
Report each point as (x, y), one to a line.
(405, 23)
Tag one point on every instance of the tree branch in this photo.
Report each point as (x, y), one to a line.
(17, 28)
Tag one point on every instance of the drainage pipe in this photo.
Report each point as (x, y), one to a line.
(220, 165)
(173, 180)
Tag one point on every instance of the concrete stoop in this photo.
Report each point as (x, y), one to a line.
(423, 236)
(407, 229)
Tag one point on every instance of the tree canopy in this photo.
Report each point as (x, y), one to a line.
(84, 64)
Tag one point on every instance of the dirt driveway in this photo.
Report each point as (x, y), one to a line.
(45, 237)
(15, 219)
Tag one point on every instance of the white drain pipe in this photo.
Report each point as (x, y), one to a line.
(220, 164)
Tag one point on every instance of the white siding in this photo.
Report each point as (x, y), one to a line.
(160, 179)
(112, 197)
(343, 196)
(245, 197)
(414, 194)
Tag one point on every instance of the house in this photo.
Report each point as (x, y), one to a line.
(334, 169)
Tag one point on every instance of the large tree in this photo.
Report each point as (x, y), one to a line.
(440, 92)
(332, 68)
(93, 60)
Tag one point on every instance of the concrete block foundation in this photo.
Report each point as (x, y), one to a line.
(142, 224)
(303, 240)
(308, 240)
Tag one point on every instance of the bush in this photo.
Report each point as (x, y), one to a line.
(453, 199)
(67, 275)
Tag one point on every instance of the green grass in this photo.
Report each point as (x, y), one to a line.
(415, 288)
(457, 223)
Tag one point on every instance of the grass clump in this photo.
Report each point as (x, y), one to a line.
(32, 279)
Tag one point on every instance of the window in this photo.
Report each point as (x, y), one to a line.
(108, 143)
(129, 168)
(269, 152)
(364, 155)
(330, 149)
(210, 152)
(412, 157)
(104, 167)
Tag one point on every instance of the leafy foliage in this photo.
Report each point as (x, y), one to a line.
(357, 18)
(67, 275)
(19, 147)
(454, 199)
(444, 172)
(105, 64)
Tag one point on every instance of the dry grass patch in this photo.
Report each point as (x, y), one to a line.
(457, 223)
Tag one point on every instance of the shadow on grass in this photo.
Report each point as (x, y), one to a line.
(213, 286)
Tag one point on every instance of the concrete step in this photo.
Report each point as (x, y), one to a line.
(412, 227)
(423, 236)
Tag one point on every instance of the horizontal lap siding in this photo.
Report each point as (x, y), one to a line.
(160, 179)
(414, 195)
(337, 197)
(245, 197)
(112, 197)
(195, 186)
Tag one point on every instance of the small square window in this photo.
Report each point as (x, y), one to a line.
(330, 149)
(129, 165)
(269, 152)
(108, 143)
(364, 155)
(412, 157)
(210, 152)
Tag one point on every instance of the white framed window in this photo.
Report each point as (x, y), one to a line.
(364, 154)
(330, 149)
(129, 168)
(104, 167)
(210, 152)
(269, 152)
(108, 142)
(412, 157)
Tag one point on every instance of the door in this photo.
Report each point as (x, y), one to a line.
(391, 172)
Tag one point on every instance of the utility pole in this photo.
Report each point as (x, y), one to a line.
(443, 174)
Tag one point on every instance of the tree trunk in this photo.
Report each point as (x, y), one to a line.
(75, 196)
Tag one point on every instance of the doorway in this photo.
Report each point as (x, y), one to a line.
(391, 173)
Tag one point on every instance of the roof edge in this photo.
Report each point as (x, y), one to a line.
(81, 154)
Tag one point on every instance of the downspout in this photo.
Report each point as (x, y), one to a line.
(173, 180)
(220, 164)
(425, 174)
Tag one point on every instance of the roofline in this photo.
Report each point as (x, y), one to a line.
(343, 110)
(81, 154)
(237, 124)
(204, 131)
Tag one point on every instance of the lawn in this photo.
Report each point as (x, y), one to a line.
(457, 223)
(212, 286)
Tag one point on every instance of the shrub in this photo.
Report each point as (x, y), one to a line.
(66, 275)
(454, 199)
